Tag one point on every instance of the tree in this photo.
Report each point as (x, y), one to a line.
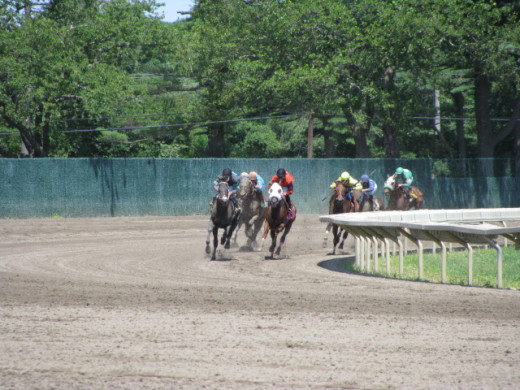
(483, 38)
(69, 60)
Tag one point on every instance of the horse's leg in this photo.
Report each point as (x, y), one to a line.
(327, 230)
(215, 242)
(282, 239)
(255, 230)
(239, 225)
(343, 238)
(231, 228)
(274, 235)
(210, 230)
(335, 241)
(266, 232)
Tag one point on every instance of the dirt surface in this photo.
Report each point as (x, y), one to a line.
(135, 303)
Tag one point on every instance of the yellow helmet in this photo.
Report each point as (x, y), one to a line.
(345, 176)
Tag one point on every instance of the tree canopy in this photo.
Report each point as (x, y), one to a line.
(261, 78)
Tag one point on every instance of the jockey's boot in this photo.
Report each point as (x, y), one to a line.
(362, 203)
(408, 194)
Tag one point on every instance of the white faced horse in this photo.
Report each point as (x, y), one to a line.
(276, 218)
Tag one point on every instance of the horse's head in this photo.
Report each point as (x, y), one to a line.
(389, 185)
(223, 192)
(340, 191)
(245, 187)
(275, 194)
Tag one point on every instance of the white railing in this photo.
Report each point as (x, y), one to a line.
(462, 226)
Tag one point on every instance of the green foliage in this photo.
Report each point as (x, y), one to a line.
(69, 61)
(440, 169)
(176, 89)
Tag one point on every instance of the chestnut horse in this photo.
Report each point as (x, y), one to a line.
(223, 216)
(342, 201)
(397, 199)
(276, 219)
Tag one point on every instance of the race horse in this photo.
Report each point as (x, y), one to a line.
(397, 199)
(378, 204)
(342, 201)
(253, 211)
(223, 216)
(276, 220)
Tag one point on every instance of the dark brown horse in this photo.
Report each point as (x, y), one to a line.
(223, 216)
(342, 201)
(276, 220)
(397, 199)
(253, 210)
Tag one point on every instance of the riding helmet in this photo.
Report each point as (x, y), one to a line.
(364, 178)
(345, 176)
(253, 175)
(226, 172)
(280, 173)
(399, 171)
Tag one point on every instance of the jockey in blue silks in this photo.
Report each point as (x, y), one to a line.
(367, 192)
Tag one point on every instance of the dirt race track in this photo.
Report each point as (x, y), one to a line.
(135, 303)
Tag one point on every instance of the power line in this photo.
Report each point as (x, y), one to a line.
(127, 116)
(181, 124)
(461, 119)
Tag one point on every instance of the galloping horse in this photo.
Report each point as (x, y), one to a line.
(223, 216)
(340, 202)
(276, 219)
(366, 206)
(397, 199)
(253, 210)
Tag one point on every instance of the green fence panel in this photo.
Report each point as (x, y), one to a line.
(86, 187)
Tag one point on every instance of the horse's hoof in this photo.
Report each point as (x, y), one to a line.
(340, 246)
(227, 246)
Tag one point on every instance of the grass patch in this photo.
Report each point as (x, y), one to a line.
(484, 267)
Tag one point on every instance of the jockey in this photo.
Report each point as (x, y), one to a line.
(259, 184)
(403, 178)
(232, 179)
(286, 181)
(348, 181)
(369, 187)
